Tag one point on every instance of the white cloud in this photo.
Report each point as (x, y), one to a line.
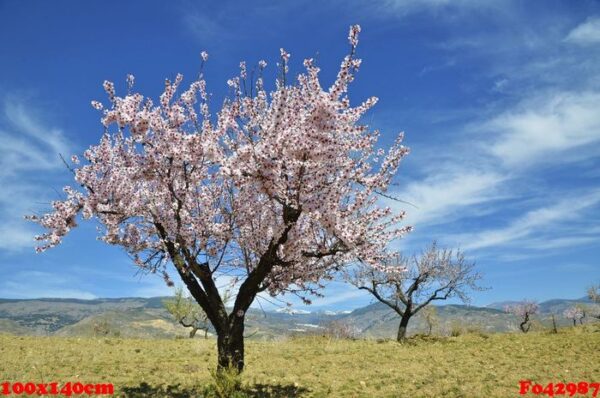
(546, 126)
(203, 26)
(444, 196)
(586, 33)
(28, 150)
(541, 228)
(407, 7)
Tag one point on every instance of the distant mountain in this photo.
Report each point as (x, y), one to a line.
(147, 318)
(556, 306)
(291, 311)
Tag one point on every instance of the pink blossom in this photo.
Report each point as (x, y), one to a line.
(289, 173)
(97, 105)
(353, 35)
(285, 56)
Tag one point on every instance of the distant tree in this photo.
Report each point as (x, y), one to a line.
(104, 328)
(594, 293)
(341, 329)
(187, 313)
(409, 284)
(575, 313)
(101, 328)
(431, 318)
(524, 311)
(554, 327)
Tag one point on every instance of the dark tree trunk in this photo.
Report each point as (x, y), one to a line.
(230, 347)
(193, 332)
(205, 333)
(403, 325)
(524, 325)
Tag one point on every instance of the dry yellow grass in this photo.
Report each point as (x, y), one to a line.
(463, 366)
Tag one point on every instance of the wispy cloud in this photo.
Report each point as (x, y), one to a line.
(29, 149)
(26, 143)
(41, 284)
(443, 197)
(544, 227)
(203, 26)
(546, 127)
(404, 8)
(587, 33)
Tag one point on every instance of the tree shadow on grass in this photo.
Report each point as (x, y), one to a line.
(145, 390)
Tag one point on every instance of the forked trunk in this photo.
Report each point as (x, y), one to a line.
(193, 332)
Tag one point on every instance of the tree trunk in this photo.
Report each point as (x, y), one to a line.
(205, 333)
(230, 347)
(198, 277)
(524, 325)
(193, 332)
(403, 325)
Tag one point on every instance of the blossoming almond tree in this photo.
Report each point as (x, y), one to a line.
(524, 311)
(276, 190)
(593, 293)
(409, 284)
(575, 313)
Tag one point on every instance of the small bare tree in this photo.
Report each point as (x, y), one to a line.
(594, 293)
(554, 327)
(187, 313)
(524, 311)
(409, 284)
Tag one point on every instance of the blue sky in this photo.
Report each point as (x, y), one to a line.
(500, 102)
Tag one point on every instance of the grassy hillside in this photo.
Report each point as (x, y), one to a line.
(475, 365)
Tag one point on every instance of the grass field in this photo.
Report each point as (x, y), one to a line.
(473, 365)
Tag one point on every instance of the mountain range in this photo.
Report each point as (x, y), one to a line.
(147, 318)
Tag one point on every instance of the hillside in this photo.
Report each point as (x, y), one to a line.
(146, 318)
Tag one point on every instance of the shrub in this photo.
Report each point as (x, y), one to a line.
(227, 383)
(341, 329)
